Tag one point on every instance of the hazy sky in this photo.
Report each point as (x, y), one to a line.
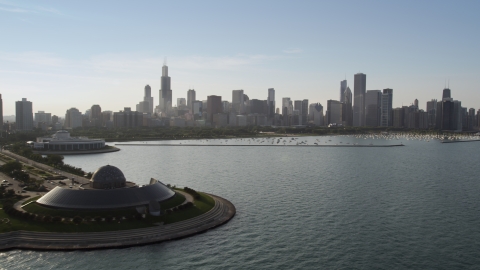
(62, 54)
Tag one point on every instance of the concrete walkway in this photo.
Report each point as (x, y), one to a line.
(18, 205)
(188, 197)
(221, 213)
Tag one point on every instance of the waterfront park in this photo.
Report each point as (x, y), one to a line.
(101, 216)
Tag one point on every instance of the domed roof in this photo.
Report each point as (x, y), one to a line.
(108, 177)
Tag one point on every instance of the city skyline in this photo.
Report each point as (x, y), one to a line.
(161, 104)
(89, 57)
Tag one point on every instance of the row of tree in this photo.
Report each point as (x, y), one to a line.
(55, 161)
(15, 170)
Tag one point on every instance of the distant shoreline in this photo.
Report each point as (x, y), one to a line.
(82, 152)
(260, 145)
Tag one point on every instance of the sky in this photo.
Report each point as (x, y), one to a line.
(63, 54)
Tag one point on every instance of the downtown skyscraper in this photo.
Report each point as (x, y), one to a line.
(271, 103)
(343, 88)
(24, 114)
(238, 101)
(347, 108)
(359, 88)
(165, 100)
(386, 108)
(191, 96)
(147, 97)
(373, 103)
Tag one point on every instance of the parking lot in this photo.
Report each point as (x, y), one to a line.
(11, 183)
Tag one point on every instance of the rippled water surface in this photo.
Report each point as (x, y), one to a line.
(416, 206)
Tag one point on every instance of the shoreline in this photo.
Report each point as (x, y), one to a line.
(86, 152)
(260, 145)
(221, 213)
(460, 141)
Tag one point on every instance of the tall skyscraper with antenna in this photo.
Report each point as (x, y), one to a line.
(165, 99)
(446, 93)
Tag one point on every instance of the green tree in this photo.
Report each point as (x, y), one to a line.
(11, 166)
(77, 220)
(55, 160)
(20, 175)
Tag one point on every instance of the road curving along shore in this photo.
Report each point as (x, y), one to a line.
(222, 212)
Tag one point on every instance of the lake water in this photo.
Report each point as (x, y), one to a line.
(410, 207)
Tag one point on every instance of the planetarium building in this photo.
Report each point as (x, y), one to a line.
(107, 189)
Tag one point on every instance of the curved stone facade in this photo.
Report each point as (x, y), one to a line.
(61, 141)
(91, 199)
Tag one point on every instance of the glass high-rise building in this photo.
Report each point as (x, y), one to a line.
(297, 106)
(432, 113)
(359, 88)
(373, 102)
(271, 103)
(334, 112)
(343, 87)
(165, 100)
(304, 113)
(446, 93)
(348, 108)
(73, 118)
(238, 101)
(147, 97)
(214, 106)
(316, 112)
(387, 113)
(191, 96)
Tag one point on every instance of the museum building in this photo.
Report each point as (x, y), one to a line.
(108, 189)
(61, 141)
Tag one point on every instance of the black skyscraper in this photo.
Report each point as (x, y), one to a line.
(359, 88)
(165, 91)
(446, 93)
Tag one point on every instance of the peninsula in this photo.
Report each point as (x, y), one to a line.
(107, 211)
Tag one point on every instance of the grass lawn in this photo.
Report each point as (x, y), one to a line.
(203, 205)
(172, 202)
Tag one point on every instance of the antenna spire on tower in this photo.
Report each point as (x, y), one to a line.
(165, 61)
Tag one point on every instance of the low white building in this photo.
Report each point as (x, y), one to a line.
(61, 141)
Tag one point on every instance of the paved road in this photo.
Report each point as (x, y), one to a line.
(221, 213)
(48, 184)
